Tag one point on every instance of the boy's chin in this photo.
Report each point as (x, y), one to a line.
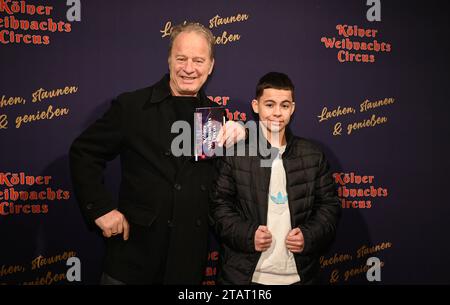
(276, 129)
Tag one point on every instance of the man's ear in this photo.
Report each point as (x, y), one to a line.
(255, 106)
(293, 108)
(212, 67)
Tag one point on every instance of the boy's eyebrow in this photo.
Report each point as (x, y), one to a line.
(272, 101)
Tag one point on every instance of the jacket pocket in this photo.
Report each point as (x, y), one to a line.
(138, 214)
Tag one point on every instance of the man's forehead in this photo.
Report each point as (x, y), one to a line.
(186, 37)
(191, 42)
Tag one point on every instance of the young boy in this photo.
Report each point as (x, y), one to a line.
(274, 222)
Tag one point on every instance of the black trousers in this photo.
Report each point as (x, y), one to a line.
(108, 280)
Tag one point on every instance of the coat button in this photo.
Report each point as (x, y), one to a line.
(168, 153)
(177, 186)
(203, 187)
(198, 222)
(170, 224)
(89, 206)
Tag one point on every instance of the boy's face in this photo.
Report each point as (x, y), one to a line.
(274, 107)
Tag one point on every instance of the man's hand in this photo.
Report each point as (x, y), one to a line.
(113, 223)
(294, 241)
(263, 239)
(230, 133)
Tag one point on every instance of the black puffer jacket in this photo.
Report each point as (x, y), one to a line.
(239, 206)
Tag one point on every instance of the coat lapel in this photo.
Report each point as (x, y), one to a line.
(260, 188)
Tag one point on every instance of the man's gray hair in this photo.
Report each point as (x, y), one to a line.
(192, 27)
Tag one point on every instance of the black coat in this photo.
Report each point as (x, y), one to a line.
(239, 206)
(164, 198)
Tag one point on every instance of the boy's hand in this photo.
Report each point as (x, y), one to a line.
(263, 239)
(295, 241)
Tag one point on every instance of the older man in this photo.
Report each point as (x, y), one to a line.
(157, 232)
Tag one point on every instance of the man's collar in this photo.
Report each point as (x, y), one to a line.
(161, 91)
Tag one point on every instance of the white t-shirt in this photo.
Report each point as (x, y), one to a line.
(276, 265)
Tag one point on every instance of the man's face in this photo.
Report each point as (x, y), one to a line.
(274, 108)
(189, 64)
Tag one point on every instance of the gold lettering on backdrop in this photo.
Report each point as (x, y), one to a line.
(11, 101)
(42, 265)
(334, 278)
(328, 114)
(372, 122)
(37, 96)
(217, 21)
(42, 94)
(226, 38)
(48, 114)
(49, 279)
(6, 270)
(366, 106)
(354, 264)
(3, 121)
(362, 269)
(364, 250)
(324, 262)
(167, 29)
(42, 261)
(337, 129)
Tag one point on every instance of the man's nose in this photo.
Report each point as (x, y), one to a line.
(189, 67)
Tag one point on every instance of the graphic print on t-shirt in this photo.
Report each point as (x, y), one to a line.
(279, 199)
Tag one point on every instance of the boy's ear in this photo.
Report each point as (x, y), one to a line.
(255, 106)
(293, 108)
